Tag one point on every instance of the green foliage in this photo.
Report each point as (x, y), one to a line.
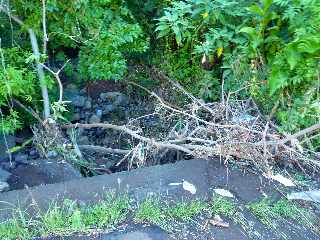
(223, 206)
(104, 32)
(151, 211)
(270, 213)
(186, 211)
(276, 40)
(288, 39)
(16, 82)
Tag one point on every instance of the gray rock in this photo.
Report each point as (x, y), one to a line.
(78, 101)
(6, 141)
(71, 93)
(4, 175)
(108, 109)
(4, 186)
(94, 119)
(76, 117)
(88, 104)
(121, 100)
(34, 153)
(99, 113)
(83, 140)
(61, 171)
(8, 165)
(52, 154)
(21, 158)
(115, 98)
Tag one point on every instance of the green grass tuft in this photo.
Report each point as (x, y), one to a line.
(186, 211)
(223, 206)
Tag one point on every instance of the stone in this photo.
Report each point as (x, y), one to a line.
(52, 154)
(94, 119)
(4, 175)
(115, 98)
(83, 140)
(8, 165)
(42, 171)
(108, 109)
(4, 186)
(88, 104)
(76, 117)
(121, 100)
(6, 142)
(78, 101)
(72, 94)
(99, 113)
(21, 158)
(34, 153)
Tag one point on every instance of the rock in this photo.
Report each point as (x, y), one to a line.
(108, 109)
(52, 154)
(115, 98)
(4, 175)
(76, 117)
(94, 119)
(4, 186)
(71, 93)
(121, 100)
(78, 101)
(42, 171)
(88, 104)
(6, 142)
(8, 165)
(83, 140)
(34, 153)
(99, 113)
(21, 158)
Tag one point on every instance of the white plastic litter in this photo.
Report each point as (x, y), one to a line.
(223, 192)
(175, 184)
(312, 196)
(281, 179)
(189, 187)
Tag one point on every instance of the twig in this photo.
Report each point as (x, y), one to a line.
(56, 75)
(103, 150)
(45, 36)
(130, 132)
(28, 110)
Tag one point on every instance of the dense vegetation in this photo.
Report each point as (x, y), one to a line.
(268, 48)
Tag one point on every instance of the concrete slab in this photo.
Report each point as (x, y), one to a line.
(138, 183)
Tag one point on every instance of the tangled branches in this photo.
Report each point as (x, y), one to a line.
(225, 129)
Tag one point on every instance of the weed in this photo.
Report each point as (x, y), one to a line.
(186, 211)
(270, 213)
(107, 213)
(14, 229)
(151, 211)
(223, 206)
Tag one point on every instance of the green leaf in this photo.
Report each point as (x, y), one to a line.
(256, 9)
(277, 80)
(249, 30)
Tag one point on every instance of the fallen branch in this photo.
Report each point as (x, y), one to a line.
(130, 132)
(103, 150)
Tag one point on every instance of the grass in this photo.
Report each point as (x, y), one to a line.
(155, 212)
(67, 218)
(184, 211)
(269, 213)
(223, 206)
(151, 211)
